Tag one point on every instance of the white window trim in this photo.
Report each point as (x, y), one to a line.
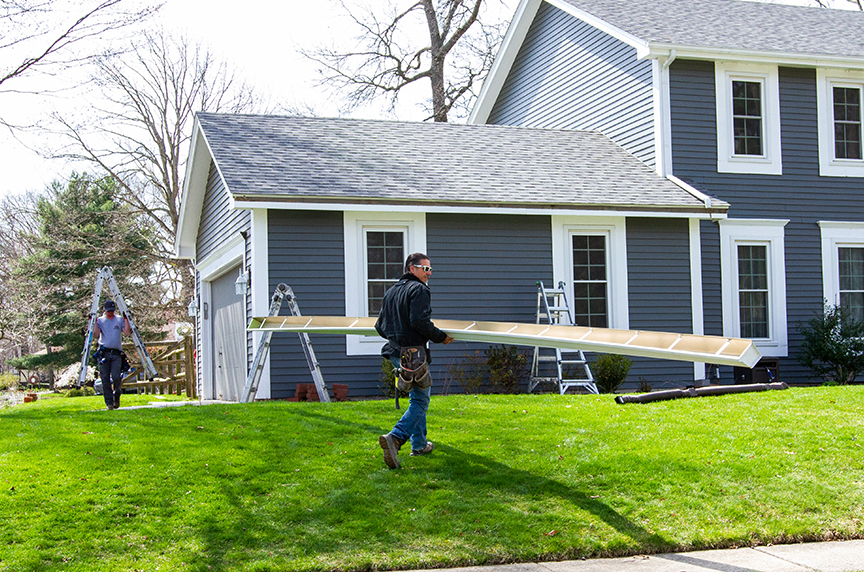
(826, 80)
(770, 233)
(837, 235)
(355, 225)
(771, 162)
(615, 229)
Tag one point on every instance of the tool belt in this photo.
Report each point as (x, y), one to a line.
(413, 369)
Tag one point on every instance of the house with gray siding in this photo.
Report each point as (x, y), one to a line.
(756, 104)
(332, 207)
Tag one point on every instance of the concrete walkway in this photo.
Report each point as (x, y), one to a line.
(847, 556)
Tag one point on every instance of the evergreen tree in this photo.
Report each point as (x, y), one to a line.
(82, 227)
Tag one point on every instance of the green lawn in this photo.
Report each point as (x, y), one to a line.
(302, 486)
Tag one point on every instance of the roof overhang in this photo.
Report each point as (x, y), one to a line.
(288, 202)
(664, 51)
(192, 195)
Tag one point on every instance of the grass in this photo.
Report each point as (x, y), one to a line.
(277, 486)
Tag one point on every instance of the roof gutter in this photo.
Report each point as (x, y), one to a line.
(657, 50)
(706, 200)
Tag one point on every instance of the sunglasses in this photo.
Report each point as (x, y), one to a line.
(425, 268)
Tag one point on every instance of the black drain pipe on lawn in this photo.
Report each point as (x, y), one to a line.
(698, 392)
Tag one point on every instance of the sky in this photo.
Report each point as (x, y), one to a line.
(261, 40)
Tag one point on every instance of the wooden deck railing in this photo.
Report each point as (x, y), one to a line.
(174, 365)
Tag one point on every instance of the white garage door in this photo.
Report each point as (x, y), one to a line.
(229, 338)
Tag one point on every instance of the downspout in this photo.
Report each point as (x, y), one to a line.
(670, 59)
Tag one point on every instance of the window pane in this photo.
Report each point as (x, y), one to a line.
(854, 302)
(754, 314)
(851, 268)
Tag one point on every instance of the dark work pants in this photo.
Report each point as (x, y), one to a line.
(109, 373)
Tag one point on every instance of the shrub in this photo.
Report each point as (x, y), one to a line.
(610, 371)
(388, 379)
(508, 367)
(833, 345)
(82, 392)
(469, 372)
(8, 381)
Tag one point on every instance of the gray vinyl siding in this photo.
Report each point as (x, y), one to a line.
(569, 75)
(658, 280)
(712, 287)
(306, 252)
(486, 268)
(799, 195)
(218, 221)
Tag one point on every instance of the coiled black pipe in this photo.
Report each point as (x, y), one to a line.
(698, 392)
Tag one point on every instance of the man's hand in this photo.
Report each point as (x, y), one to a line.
(447, 341)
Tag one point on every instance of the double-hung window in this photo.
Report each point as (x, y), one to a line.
(376, 246)
(748, 119)
(843, 265)
(839, 96)
(590, 280)
(385, 256)
(753, 269)
(851, 263)
(589, 254)
(753, 293)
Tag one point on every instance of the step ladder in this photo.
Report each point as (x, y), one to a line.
(106, 276)
(282, 292)
(553, 309)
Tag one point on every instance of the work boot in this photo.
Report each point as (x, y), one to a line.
(424, 451)
(116, 401)
(391, 446)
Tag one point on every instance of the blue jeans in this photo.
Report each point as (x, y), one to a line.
(412, 425)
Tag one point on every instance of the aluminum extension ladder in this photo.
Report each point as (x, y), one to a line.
(282, 292)
(552, 306)
(106, 275)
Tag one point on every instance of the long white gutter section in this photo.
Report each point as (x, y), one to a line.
(660, 345)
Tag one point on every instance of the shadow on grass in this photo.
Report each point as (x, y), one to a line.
(472, 473)
(245, 506)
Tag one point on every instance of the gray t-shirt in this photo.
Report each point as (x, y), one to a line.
(111, 331)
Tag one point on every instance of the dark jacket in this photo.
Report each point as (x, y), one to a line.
(406, 316)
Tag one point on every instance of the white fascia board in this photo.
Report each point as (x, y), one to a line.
(656, 50)
(642, 46)
(425, 208)
(504, 59)
(192, 194)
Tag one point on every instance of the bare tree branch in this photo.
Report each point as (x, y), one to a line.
(34, 36)
(392, 57)
(139, 131)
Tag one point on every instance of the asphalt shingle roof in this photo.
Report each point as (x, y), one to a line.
(736, 25)
(350, 160)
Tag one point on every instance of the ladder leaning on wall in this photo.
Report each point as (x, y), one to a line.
(552, 306)
(250, 389)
